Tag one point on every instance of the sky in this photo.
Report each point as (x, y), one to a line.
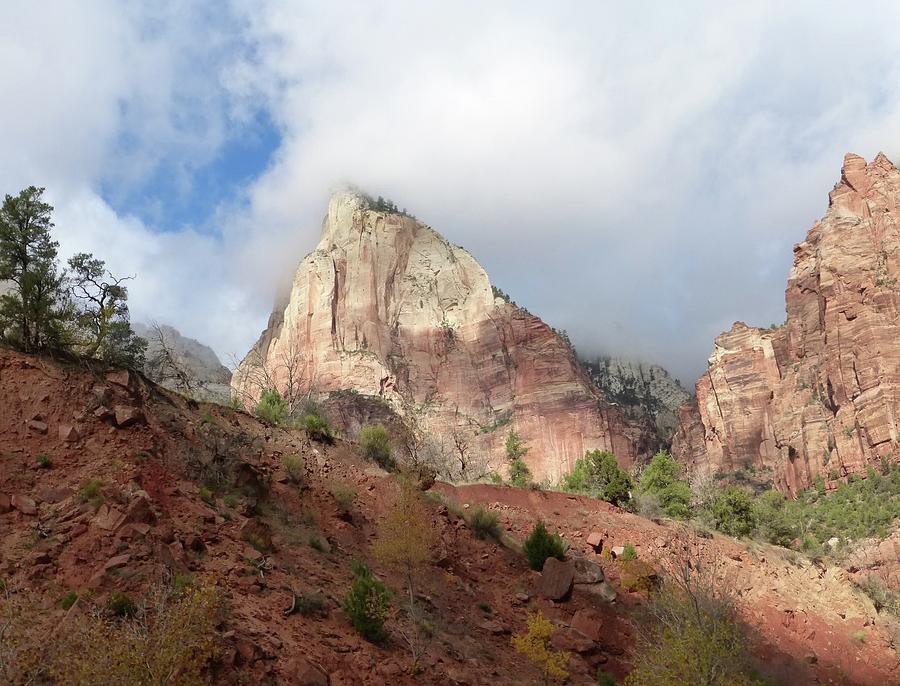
(636, 173)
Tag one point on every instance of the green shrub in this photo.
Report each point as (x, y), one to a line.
(316, 544)
(295, 468)
(731, 511)
(598, 475)
(515, 446)
(43, 461)
(206, 495)
(343, 497)
(120, 605)
(309, 604)
(367, 604)
(484, 523)
(317, 427)
(629, 552)
(519, 474)
(271, 407)
(183, 582)
(91, 491)
(771, 517)
(230, 500)
(68, 600)
(540, 545)
(376, 445)
(604, 678)
(852, 511)
(662, 478)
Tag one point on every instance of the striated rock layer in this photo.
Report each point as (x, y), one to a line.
(644, 391)
(820, 395)
(387, 307)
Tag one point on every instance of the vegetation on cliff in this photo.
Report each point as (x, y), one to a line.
(82, 310)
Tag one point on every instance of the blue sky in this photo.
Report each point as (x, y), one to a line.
(179, 193)
(634, 173)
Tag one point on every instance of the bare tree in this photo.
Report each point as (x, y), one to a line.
(164, 365)
(290, 372)
(466, 464)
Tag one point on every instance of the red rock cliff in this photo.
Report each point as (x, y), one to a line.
(387, 307)
(819, 395)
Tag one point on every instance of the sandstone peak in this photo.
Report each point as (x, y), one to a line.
(387, 307)
(817, 396)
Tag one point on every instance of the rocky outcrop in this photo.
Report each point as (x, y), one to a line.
(183, 364)
(644, 391)
(385, 306)
(820, 395)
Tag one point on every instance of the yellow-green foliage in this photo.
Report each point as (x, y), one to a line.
(376, 444)
(343, 497)
(295, 467)
(535, 645)
(405, 542)
(692, 635)
(272, 407)
(170, 641)
(91, 491)
(405, 537)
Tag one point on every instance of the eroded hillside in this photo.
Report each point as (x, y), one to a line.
(112, 485)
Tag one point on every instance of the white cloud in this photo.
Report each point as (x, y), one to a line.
(634, 173)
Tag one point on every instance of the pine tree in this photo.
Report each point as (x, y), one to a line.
(31, 313)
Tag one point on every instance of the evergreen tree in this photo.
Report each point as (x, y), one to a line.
(519, 474)
(31, 313)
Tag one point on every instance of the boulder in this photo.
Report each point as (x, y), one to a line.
(23, 504)
(572, 641)
(617, 551)
(304, 673)
(557, 579)
(587, 572)
(588, 622)
(107, 518)
(120, 377)
(126, 415)
(604, 590)
(103, 413)
(68, 433)
(595, 540)
(37, 426)
(50, 494)
(5, 503)
(116, 562)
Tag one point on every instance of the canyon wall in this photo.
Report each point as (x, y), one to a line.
(819, 395)
(646, 392)
(386, 307)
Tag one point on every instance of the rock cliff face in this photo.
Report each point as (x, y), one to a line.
(385, 306)
(820, 395)
(171, 355)
(644, 391)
